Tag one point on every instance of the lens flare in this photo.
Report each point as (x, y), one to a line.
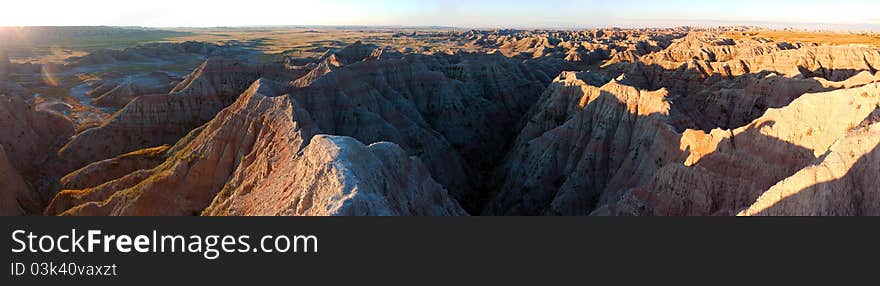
(48, 72)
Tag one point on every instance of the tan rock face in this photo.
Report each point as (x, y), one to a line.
(836, 63)
(146, 122)
(841, 183)
(224, 80)
(613, 149)
(333, 60)
(253, 155)
(730, 87)
(340, 176)
(582, 139)
(154, 120)
(710, 55)
(326, 66)
(579, 155)
(583, 48)
(751, 159)
(436, 109)
(455, 112)
(187, 182)
(119, 92)
(712, 47)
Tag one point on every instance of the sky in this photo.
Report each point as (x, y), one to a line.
(855, 14)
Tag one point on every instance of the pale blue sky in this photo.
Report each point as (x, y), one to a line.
(458, 13)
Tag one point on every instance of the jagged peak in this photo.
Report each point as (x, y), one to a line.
(266, 88)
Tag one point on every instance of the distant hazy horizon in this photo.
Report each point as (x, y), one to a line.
(563, 14)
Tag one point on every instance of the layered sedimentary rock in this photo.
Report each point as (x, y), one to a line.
(581, 47)
(564, 164)
(733, 103)
(613, 150)
(836, 63)
(709, 47)
(257, 155)
(841, 183)
(579, 139)
(154, 120)
(145, 122)
(119, 92)
(455, 112)
(833, 63)
(325, 66)
(728, 84)
(224, 80)
(664, 122)
(66, 199)
(746, 162)
(190, 178)
(435, 108)
(333, 60)
(340, 176)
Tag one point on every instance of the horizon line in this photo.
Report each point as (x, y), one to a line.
(705, 24)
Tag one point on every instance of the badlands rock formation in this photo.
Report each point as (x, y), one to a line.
(28, 142)
(455, 112)
(409, 101)
(117, 92)
(728, 85)
(333, 60)
(161, 119)
(842, 183)
(255, 155)
(340, 176)
(669, 122)
(581, 47)
(620, 149)
(613, 150)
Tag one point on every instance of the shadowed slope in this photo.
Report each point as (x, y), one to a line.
(841, 183)
(16, 196)
(589, 146)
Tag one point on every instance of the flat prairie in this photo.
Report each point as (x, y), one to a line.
(829, 38)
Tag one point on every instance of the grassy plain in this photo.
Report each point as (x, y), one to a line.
(829, 38)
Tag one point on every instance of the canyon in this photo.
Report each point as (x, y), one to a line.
(602, 122)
